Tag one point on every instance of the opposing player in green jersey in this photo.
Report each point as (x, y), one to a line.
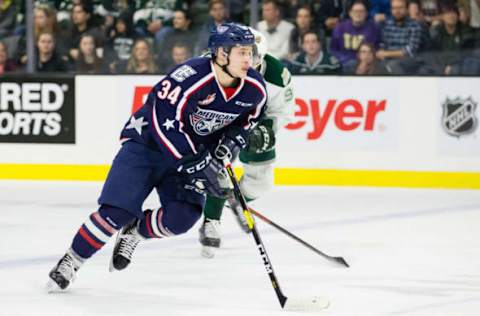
(260, 154)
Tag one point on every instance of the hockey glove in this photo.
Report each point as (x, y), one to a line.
(201, 173)
(261, 138)
(232, 142)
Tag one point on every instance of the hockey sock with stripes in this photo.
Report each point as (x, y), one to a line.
(181, 216)
(97, 230)
(151, 226)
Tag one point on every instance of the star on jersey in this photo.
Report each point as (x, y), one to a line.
(137, 124)
(168, 124)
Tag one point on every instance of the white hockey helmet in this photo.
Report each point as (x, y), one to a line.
(261, 45)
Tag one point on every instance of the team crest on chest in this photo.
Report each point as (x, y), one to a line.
(206, 122)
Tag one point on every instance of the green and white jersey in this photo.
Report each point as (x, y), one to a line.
(280, 106)
(281, 99)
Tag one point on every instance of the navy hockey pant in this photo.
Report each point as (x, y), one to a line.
(135, 172)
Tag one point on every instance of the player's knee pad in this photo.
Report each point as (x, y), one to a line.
(179, 217)
(256, 180)
(115, 216)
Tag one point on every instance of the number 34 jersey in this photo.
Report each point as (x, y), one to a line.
(188, 108)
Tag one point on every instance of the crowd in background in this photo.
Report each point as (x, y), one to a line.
(311, 37)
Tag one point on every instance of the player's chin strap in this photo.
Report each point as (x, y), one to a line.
(224, 67)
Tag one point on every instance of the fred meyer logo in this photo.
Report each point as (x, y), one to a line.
(37, 111)
(344, 115)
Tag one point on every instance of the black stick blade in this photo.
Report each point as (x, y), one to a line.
(341, 261)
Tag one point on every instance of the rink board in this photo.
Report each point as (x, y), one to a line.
(382, 131)
(283, 176)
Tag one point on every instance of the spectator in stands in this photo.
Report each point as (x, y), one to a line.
(451, 39)
(180, 53)
(401, 38)
(303, 24)
(45, 20)
(8, 17)
(141, 61)
(82, 23)
(314, 61)
(426, 11)
(154, 18)
(275, 29)
(380, 10)
(182, 32)
(236, 9)
(121, 39)
(349, 34)
(6, 64)
(327, 14)
(47, 58)
(470, 12)
(115, 8)
(290, 8)
(107, 11)
(88, 60)
(218, 13)
(366, 62)
(415, 12)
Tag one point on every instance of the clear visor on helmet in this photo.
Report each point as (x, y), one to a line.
(255, 58)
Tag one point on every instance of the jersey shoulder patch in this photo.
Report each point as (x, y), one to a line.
(276, 73)
(195, 66)
(182, 73)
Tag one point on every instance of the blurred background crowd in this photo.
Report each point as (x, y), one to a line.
(311, 37)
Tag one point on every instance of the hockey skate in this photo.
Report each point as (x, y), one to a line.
(127, 240)
(210, 237)
(64, 272)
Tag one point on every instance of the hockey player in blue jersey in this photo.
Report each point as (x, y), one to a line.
(171, 145)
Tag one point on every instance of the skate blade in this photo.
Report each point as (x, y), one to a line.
(111, 268)
(52, 287)
(208, 252)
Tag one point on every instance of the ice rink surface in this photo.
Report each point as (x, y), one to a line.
(411, 251)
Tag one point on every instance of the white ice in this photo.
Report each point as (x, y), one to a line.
(411, 251)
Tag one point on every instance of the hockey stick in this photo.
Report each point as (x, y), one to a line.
(338, 260)
(287, 303)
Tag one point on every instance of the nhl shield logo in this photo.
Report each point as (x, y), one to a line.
(458, 116)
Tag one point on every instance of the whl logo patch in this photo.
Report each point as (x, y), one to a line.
(209, 99)
(206, 122)
(458, 117)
